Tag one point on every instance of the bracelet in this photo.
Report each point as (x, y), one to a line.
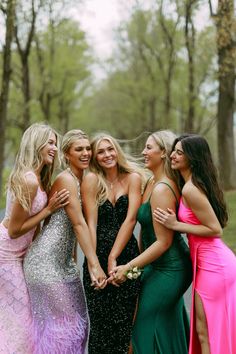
(130, 266)
(133, 272)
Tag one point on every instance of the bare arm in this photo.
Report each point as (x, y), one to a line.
(21, 222)
(74, 212)
(164, 198)
(90, 208)
(197, 201)
(126, 229)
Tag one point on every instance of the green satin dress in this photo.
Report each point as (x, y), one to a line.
(162, 325)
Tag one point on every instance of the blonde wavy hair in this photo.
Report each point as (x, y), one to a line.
(165, 139)
(29, 158)
(126, 164)
(68, 139)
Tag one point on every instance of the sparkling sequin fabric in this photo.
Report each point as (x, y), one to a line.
(15, 313)
(56, 292)
(111, 310)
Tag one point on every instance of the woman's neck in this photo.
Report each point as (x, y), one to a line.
(186, 174)
(159, 174)
(78, 173)
(111, 175)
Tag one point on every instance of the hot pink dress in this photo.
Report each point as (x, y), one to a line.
(15, 314)
(214, 279)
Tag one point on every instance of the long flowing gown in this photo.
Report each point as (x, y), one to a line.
(15, 312)
(162, 324)
(214, 279)
(111, 310)
(60, 317)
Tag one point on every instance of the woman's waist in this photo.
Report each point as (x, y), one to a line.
(54, 243)
(106, 239)
(194, 240)
(50, 271)
(171, 264)
(13, 249)
(210, 249)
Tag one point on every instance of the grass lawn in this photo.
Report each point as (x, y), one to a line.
(230, 230)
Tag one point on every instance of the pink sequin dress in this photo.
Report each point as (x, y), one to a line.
(214, 279)
(15, 313)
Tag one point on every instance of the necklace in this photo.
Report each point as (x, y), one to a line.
(111, 184)
(75, 177)
(77, 181)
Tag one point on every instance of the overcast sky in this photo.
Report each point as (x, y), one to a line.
(100, 17)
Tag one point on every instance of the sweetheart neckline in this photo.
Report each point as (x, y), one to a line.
(109, 201)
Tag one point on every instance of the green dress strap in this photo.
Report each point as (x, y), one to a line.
(177, 201)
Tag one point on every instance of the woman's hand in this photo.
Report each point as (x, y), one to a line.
(166, 218)
(58, 200)
(117, 274)
(111, 265)
(98, 277)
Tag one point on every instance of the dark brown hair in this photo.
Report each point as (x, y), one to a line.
(204, 172)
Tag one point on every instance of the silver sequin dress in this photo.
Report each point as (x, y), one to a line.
(57, 296)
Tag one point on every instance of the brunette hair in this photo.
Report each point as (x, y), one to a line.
(204, 172)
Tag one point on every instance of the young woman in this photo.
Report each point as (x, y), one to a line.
(202, 215)
(111, 197)
(59, 309)
(161, 324)
(26, 207)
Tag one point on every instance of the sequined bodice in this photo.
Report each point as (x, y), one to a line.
(51, 254)
(110, 219)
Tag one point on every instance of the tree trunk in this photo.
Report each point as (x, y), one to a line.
(26, 93)
(226, 100)
(190, 45)
(24, 54)
(6, 75)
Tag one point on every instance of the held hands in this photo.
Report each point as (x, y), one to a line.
(58, 200)
(166, 218)
(118, 274)
(98, 277)
(111, 265)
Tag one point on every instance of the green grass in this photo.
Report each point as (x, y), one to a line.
(230, 230)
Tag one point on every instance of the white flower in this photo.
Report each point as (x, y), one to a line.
(129, 275)
(135, 275)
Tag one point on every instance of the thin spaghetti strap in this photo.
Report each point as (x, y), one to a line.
(32, 173)
(146, 183)
(170, 189)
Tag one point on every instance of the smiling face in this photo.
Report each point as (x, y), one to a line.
(106, 154)
(152, 153)
(79, 154)
(48, 152)
(178, 158)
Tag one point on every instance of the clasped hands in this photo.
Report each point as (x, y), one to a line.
(116, 275)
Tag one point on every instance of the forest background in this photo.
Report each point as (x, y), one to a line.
(164, 71)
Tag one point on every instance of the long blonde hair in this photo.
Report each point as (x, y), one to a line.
(125, 163)
(164, 139)
(29, 158)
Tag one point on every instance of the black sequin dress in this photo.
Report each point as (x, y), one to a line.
(111, 310)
